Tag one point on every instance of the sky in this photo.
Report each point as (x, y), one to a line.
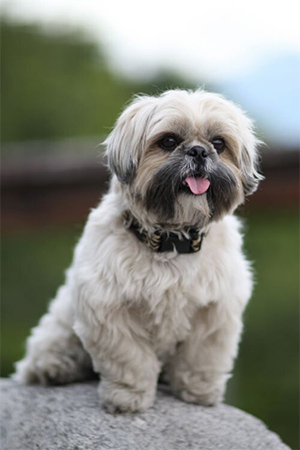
(216, 39)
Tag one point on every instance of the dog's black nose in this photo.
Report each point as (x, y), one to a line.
(197, 152)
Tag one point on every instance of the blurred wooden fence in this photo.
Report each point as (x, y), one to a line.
(58, 183)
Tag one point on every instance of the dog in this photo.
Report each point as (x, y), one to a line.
(159, 281)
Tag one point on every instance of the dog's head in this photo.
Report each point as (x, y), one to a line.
(185, 158)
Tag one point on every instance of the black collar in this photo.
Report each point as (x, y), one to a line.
(159, 241)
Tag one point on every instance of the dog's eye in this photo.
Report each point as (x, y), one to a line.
(168, 143)
(219, 144)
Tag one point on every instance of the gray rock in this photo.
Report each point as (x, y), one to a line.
(69, 418)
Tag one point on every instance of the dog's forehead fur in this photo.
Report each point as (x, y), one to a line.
(198, 115)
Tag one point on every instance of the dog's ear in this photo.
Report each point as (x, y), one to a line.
(125, 143)
(250, 159)
(251, 176)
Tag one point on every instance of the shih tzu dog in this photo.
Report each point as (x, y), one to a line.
(159, 281)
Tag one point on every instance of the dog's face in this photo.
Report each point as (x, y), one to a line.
(184, 158)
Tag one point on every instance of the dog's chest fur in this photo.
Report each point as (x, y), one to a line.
(165, 291)
(167, 314)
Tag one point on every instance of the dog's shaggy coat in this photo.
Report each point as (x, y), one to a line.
(129, 313)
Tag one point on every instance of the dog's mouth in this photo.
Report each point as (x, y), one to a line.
(195, 185)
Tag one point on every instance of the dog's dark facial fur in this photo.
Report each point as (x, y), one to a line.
(162, 193)
(222, 192)
(167, 185)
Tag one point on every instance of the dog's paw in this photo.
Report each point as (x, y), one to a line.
(206, 399)
(45, 371)
(49, 369)
(200, 388)
(119, 399)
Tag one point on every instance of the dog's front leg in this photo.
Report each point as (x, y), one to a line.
(202, 365)
(122, 355)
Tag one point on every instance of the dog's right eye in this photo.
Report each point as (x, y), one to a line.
(168, 143)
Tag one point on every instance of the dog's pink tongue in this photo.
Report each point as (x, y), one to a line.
(198, 185)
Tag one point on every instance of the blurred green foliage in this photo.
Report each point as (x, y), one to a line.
(265, 381)
(58, 85)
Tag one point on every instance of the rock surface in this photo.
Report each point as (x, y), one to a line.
(69, 418)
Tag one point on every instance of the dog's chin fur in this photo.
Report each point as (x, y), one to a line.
(128, 313)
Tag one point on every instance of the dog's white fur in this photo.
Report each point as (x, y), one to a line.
(129, 312)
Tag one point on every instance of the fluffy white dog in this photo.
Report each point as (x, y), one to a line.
(159, 281)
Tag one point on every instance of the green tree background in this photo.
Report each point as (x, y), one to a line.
(58, 85)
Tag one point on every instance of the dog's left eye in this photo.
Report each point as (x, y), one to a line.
(219, 144)
(168, 143)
